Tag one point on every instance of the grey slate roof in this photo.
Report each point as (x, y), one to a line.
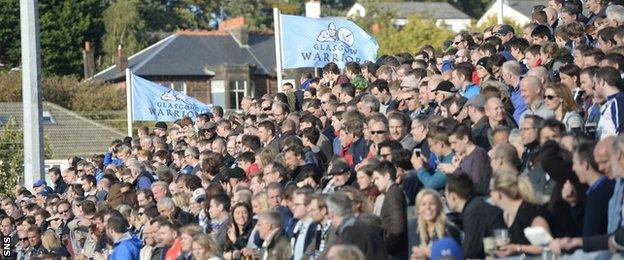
(188, 54)
(524, 7)
(70, 134)
(434, 10)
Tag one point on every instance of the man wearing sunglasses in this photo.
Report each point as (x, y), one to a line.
(23, 246)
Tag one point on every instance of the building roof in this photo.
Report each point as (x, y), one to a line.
(524, 7)
(434, 10)
(67, 133)
(188, 54)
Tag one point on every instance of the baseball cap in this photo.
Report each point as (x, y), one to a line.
(339, 167)
(446, 248)
(477, 101)
(47, 191)
(161, 125)
(38, 183)
(446, 86)
(199, 195)
(446, 66)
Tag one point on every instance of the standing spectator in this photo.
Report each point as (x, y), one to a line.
(393, 210)
(559, 99)
(530, 88)
(608, 87)
(219, 207)
(479, 219)
(435, 178)
(276, 245)
(351, 230)
(59, 184)
(304, 231)
(324, 235)
(474, 159)
(168, 209)
(600, 190)
(125, 245)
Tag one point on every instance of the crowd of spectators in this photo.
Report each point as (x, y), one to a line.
(412, 156)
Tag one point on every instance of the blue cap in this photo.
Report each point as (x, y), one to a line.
(447, 65)
(446, 248)
(39, 183)
(47, 191)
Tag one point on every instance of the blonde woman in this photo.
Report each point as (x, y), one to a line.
(51, 242)
(181, 200)
(205, 247)
(432, 223)
(265, 157)
(515, 196)
(259, 204)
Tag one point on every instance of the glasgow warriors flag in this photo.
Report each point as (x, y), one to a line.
(153, 102)
(312, 42)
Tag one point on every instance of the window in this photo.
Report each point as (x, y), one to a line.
(217, 88)
(48, 119)
(238, 90)
(178, 86)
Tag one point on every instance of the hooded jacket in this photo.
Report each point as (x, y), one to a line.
(127, 247)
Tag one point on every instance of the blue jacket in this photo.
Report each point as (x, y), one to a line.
(433, 178)
(128, 247)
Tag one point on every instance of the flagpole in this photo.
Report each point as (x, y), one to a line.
(129, 100)
(500, 12)
(277, 27)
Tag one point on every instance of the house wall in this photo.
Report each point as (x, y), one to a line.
(508, 13)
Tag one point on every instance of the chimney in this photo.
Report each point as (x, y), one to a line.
(121, 62)
(89, 61)
(237, 28)
(313, 9)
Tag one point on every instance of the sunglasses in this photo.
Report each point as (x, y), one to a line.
(23, 239)
(550, 97)
(266, 108)
(455, 43)
(378, 132)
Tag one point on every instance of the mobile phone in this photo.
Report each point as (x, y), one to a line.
(417, 152)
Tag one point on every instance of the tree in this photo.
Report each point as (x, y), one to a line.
(124, 27)
(258, 15)
(12, 156)
(392, 39)
(64, 27)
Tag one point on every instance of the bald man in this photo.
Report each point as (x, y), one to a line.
(531, 92)
(602, 155)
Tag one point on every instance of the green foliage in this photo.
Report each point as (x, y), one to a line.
(258, 14)
(411, 38)
(125, 27)
(64, 27)
(12, 156)
(68, 92)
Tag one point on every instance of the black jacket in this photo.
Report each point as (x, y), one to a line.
(479, 219)
(356, 232)
(394, 221)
